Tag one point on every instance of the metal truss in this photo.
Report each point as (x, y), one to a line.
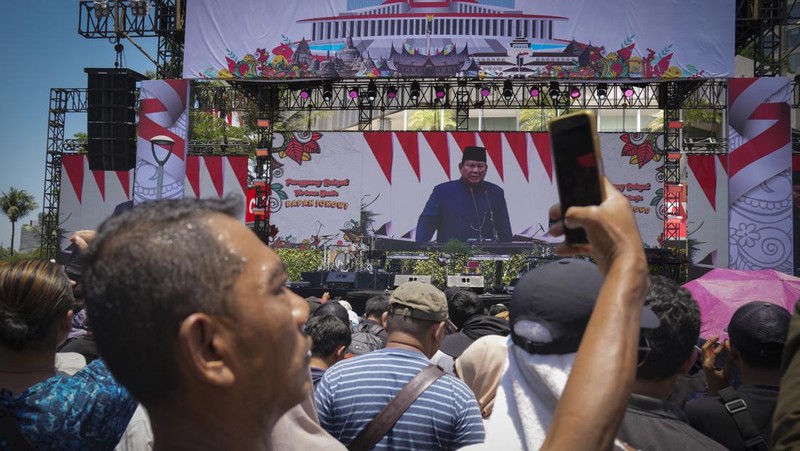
(163, 20)
(705, 146)
(767, 42)
(62, 101)
(671, 96)
(269, 99)
(464, 94)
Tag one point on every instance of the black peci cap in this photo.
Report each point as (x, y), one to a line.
(759, 329)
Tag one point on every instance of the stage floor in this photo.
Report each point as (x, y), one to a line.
(358, 297)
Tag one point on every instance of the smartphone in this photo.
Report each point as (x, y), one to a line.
(575, 148)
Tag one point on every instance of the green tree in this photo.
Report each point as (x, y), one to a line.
(16, 204)
(535, 119)
(432, 120)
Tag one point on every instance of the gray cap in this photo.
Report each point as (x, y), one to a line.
(418, 300)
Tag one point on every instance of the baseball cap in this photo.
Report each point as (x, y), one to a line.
(551, 306)
(418, 300)
(759, 329)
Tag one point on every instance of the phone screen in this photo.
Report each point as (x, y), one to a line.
(577, 164)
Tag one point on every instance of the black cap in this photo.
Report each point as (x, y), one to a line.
(552, 304)
(474, 153)
(759, 329)
(74, 268)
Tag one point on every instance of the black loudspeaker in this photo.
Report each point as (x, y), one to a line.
(111, 118)
(341, 280)
(312, 277)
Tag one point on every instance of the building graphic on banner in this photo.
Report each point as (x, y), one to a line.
(450, 38)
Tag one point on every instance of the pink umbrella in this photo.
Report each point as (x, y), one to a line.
(721, 291)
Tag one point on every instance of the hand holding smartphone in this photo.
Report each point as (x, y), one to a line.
(579, 169)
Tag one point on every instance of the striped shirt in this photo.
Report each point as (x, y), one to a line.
(354, 391)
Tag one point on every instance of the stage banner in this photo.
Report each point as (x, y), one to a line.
(581, 39)
(161, 168)
(759, 167)
(217, 177)
(707, 212)
(338, 188)
(88, 197)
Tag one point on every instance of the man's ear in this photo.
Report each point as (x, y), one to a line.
(205, 348)
(689, 363)
(340, 352)
(733, 353)
(438, 330)
(385, 320)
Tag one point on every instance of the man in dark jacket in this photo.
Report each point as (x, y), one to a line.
(468, 208)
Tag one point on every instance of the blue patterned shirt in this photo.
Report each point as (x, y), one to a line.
(352, 392)
(89, 410)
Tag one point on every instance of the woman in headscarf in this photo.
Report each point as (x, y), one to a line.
(480, 366)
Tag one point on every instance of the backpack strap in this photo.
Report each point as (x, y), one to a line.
(737, 408)
(9, 430)
(375, 329)
(383, 422)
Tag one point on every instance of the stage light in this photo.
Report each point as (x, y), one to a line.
(627, 91)
(391, 92)
(574, 92)
(305, 93)
(602, 91)
(508, 90)
(440, 91)
(486, 90)
(555, 92)
(327, 91)
(353, 93)
(372, 90)
(535, 91)
(414, 90)
(101, 8)
(140, 7)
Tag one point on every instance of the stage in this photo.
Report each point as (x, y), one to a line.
(357, 297)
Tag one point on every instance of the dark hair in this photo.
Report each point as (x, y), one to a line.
(34, 295)
(674, 340)
(450, 291)
(313, 304)
(497, 308)
(376, 305)
(463, 305)
(333, 308)
(327, 332)
(145, 272)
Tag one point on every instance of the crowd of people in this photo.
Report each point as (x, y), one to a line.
(202, 345)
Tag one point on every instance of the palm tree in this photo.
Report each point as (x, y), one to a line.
(16, 204)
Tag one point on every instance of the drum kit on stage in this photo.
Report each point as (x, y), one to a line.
(354, 255)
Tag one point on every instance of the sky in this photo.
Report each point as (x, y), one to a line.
(41, 49)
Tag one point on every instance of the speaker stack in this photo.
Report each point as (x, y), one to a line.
(111, 118)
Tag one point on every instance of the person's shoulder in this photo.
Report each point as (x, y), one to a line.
(458, 387)
(447, 186)
(702, 408)
(492, 187)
